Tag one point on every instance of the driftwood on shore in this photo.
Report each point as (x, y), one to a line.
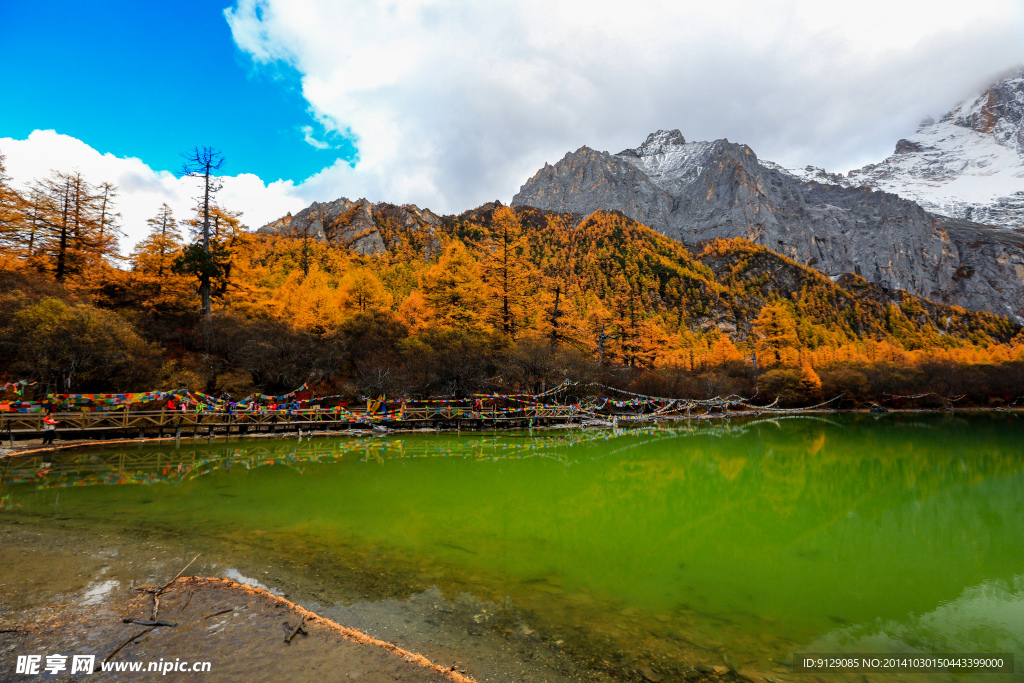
(153, 622)
(293, 631)
(145, 622)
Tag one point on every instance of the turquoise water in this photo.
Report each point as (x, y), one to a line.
(742, 541)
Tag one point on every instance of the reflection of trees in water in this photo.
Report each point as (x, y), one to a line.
(147, 465)
(787, 462)
(154, 464)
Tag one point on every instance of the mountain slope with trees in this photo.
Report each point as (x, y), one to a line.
(495, 299)
(698, 191)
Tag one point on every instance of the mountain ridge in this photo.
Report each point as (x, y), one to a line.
(968, 165)
(699, 191)
(865, 223)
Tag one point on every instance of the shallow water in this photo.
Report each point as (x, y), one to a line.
(736, 542)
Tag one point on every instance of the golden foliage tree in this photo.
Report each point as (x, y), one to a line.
(154, 254)
(775, 329)
(362, 292)
(454, 288)
(507, 270)
(76, 225)
(810, 382)
(309, 302)
(13, 229)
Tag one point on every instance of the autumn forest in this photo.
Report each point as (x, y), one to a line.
(493, 300)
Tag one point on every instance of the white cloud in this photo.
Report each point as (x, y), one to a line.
(454, 102)
(142, 189)
(308, 137)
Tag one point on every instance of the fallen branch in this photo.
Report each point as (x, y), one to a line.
(118, 648)
(143, 622)
(298, 627)
(178, 575)
(223, 611)
(156, 593)
(190, 593)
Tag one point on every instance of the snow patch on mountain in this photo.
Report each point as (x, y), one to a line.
(668, 160)
(808, 174)
(969, 165)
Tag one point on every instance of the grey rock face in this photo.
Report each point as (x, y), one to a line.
(699, 191)
(360, 225)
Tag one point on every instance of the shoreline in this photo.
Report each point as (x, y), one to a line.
(61, 599)
(31, 446)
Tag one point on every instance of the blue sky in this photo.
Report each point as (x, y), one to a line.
(152, 79)
(457, 102)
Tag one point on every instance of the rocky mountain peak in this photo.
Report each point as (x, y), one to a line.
(658, 142)
(999, 112)
(360, 225)
(698, 191)
(968, 165)
(905, 146)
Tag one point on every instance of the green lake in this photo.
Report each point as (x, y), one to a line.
(740, 541)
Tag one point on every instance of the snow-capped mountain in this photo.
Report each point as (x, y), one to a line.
(967, 165)
(698, 191)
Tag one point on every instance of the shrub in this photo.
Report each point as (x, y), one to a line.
(79, 347)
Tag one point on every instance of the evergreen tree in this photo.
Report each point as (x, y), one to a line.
(204, 259)
(155, 254)
(507, 270)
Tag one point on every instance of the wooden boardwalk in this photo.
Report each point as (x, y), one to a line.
(108, 424)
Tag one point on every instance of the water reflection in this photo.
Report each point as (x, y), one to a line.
(186, 460)
(987, 618)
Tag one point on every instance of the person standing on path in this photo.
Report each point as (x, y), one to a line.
(49, 429)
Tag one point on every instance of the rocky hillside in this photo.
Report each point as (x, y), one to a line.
(360, 225)
(698, 191)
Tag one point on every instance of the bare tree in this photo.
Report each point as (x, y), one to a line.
(602, 339)
(203, 162)
(109, 230)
